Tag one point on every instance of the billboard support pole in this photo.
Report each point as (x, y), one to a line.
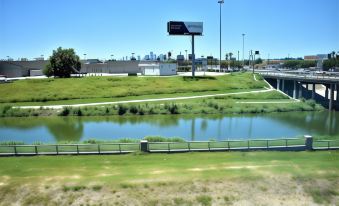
(193, 57)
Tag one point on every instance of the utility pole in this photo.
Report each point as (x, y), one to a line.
(220, 2)
(243, 49)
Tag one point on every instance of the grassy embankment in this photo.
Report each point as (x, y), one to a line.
(107, 89)
(256, 178)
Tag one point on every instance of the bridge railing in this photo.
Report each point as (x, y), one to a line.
(326, 144)
(304, 76)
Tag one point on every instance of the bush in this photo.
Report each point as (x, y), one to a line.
(173, 109)
(133, 109)
(65, 111)
(121, 109)
(163, 139)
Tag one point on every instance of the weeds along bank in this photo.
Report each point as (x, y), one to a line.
(200, 107)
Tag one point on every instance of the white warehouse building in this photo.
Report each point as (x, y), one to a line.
(158, 69)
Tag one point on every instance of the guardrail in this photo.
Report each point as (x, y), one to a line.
(286, 144)
(227, 145)
(303, 76)
(325, 144)
(64, 149)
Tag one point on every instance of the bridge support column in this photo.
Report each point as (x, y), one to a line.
(300, 90)
(283, 85)
(278, 84)
(313, 91)
(330, 107)
(326, 92)
(294, 89)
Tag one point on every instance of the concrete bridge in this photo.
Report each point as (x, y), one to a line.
(303, 85)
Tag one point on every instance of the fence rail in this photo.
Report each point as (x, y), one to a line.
(326, 144)
(224, 145)
(58, 149)
(288, 144)
(302, 76)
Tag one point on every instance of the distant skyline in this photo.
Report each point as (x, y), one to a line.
(101, 28)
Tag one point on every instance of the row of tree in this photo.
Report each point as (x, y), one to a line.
(296, 64)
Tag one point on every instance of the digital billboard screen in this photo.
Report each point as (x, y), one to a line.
(184, 28)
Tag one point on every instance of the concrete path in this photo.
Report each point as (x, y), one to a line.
(141, 100)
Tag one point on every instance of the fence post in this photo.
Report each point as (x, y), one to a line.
(309, 142)
(144, 146)
(36, 149)
(209, 146)
(169, 149)
(285, 142)
(57, 149)
(189, 146)
(120, 148)
(328, 144)
(99, 149)
(248, 144)
(228, 144)
(15, 152)
(267, 144)
(78, 149)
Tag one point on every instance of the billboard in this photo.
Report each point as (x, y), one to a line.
(184, 28)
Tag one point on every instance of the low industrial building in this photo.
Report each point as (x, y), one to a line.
(158, 69)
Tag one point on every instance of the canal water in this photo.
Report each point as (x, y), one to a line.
(195, 128)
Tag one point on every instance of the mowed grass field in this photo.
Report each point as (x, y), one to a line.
(97, 89)
(223, 178)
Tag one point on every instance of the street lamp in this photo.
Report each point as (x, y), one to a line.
(243, 49)
(220, 2)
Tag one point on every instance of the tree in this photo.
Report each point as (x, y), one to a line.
(63, 63)
(48, 70)
(258, 61)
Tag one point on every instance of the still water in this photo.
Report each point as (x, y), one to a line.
(205, 127)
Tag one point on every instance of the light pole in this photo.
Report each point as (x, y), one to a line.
(85, 56)
(243, 49)
(220, 2)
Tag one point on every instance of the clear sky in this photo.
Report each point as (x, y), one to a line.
(99, 28)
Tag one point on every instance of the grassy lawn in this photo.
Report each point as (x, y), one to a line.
(102, 88)
(223, 178)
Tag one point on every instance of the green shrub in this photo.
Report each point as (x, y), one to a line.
(122, 109)
(163, 139)
(133, 109)
(65, 111)
(204, 200)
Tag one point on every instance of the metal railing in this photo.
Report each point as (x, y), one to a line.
(326, 144)
(57, 149)
(302, 76)
(286, 144)
(225, 145)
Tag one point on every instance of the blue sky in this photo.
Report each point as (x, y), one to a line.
(99, 28)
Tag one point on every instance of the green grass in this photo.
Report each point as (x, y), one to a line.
(158, 178)
(43, 90)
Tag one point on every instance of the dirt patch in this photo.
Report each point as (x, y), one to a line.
(271, 190)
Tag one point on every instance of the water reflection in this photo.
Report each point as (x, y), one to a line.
(274, 125)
